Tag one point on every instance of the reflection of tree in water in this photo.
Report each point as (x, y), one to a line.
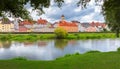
(61, 43)
(5, 44)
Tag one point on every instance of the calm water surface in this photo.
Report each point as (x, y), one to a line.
(52, 49)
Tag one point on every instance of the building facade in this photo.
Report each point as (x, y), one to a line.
(68, 26)
(6, 26)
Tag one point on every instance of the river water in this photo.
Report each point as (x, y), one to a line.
(52, 49)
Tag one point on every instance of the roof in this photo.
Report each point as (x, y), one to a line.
(97, 24)
(42, 21)
(65, 23)
(5, 21)
(62, 16)
(26, 22)
(75, 21)
(86, 25)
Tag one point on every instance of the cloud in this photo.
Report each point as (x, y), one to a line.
(71, 12)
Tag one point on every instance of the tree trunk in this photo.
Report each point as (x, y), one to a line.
(117, 33)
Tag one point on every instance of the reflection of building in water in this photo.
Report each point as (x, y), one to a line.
(72, 42)
(28, 43)
(42, 43)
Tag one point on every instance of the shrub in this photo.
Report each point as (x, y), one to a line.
(60, 33)
(19, 58)
(93, 52)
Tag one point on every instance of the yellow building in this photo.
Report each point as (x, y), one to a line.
(6, 26)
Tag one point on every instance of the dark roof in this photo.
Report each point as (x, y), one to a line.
(75, 21)
(62, 16)
(5, 21)
(86, 25)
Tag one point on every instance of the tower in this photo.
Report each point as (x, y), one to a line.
(16, 24)
(62, 17)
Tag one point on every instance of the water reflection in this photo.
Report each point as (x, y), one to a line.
(5, 44)
(42, 43)
(61, 43)
(52, 49)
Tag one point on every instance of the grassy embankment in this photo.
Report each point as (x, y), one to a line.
(21, 37)
(91, 60)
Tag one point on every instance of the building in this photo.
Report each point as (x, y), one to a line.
(43, 25)
(68, 26)
(88, 28)
(26, 25)
(22, 28)
(100, 26)
(16, 24)
(6, 25)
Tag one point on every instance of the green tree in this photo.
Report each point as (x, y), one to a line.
(111, 11)
(17, 7)
(60, 33)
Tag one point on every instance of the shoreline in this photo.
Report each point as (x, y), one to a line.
(91, 60)
(33, 36)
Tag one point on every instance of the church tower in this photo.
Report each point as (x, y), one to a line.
(62, 17)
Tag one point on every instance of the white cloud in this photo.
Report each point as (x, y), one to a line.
(78, 9)
(71, 12)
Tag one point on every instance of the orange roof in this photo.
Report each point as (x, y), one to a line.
(27, 22)
(97, 24)
(70, 24)
(42, 21)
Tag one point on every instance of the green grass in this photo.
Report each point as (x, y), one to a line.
(33, 37)
(90, 60)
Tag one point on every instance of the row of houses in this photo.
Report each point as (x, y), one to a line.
(42, 25)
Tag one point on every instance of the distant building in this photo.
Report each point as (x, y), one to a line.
(100, 26)
(16, 25)
(26, 24)
(43, 25)
(22, 28)
(6, 25)
(68, 26)
(88, 28)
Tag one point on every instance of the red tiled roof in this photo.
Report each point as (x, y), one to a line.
(26, 22)
(93, 24)
(70, 24)
(42, 21)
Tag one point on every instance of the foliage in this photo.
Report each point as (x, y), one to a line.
(17, 8)
(60, 33)
(19, 58)
(34, 37)
(111, 10)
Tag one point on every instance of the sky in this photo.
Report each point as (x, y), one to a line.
(71, 12)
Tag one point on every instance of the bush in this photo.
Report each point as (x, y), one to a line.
(60, 33)
(19, 58)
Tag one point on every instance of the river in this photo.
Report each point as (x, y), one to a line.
(52, 49)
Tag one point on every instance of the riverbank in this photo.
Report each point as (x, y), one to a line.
(91, 60)
(20, 37)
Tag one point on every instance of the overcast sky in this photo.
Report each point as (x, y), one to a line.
(71, 12)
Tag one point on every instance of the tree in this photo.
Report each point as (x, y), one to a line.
(60, 33)
(16, 7)
(111, 11)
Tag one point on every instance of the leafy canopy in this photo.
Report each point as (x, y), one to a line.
(16, 7)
